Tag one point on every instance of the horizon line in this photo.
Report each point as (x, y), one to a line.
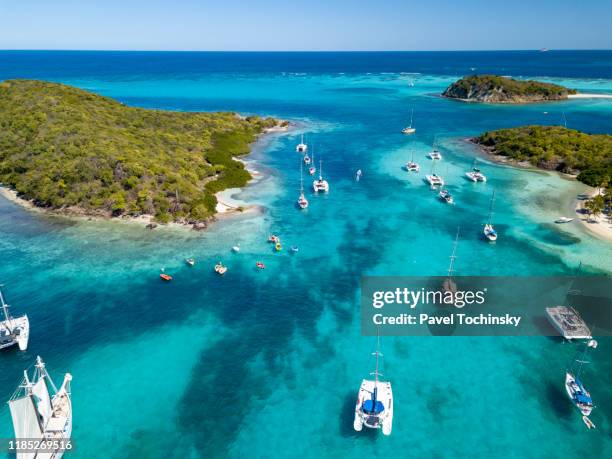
(544, 49)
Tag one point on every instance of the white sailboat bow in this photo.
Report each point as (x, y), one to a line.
(39, 414)
(13, 330)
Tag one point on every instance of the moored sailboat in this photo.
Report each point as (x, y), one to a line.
(409, 129)
(489, 231)
(374, 408)
(302, 201)
(411, 166)
(574, 387)
(42, 415)
(13, 330)
(320, 184)
(301, 147)
(475, 175)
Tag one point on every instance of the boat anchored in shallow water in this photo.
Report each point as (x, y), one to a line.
(475, 175)
(358, 175)
(579, 396)
(374, 408)
(39, 414)
(568, 322)
(13, 330)
(411, 166)
(446, 196)
(320, 185)
(564, 220)
(488, 231)
(301, 147)
(409, 129)
(302, 201)
(220, 269)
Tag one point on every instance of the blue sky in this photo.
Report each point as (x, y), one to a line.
(305, 25)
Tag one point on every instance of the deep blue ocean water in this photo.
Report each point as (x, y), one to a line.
(267, 363)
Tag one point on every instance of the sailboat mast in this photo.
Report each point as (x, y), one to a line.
(411, 115)
(301, 178)
(491, 207)
(4, 307)
(320, 170)
(453, 256)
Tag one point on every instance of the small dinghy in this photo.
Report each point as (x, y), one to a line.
(273, 238)
(358, 175)
(260, 265)
(295, 248)
(564, 220)
(278, 247)
(190, 261)
(236, 248)
(587, 421)
(488, 231)
(165, 277)
(220, 269)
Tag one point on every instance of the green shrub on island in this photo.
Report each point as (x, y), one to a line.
(498, 89)
(557, 148)
(66, 148)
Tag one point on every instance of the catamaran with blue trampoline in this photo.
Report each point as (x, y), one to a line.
(374, 408)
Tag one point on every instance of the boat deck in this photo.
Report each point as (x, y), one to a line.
(568, 322)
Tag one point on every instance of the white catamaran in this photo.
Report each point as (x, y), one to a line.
(320, 184)
(374, 407)
(13, 330)
(301, 147)
(41, 414)
(489, 231)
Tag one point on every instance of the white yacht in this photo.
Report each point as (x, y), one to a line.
(476, 175)
(488, 231)
(434, 180)
(13, 330)
(42, 412)
(568, 323)
(301, 147)
(409, 129)
(302, 201)
(411, 166)
(320, 184)
(374, 408)
(435, 154)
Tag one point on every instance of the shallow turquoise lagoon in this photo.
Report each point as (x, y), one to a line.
(267, 363)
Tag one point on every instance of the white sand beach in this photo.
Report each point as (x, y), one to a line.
(589, 96)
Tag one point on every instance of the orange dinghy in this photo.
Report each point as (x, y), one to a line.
(165, 277)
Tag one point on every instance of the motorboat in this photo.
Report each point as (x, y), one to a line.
(190, 261)
(564, 220)
(260, 265)
(165, 277)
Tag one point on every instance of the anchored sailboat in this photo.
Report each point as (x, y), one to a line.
(374, 407)
(434, 179)
(320, 184)
(302, 201)
(409, 129)
(449, 284)
(489, 231)
(41, 414)
(13, 330)
(312, 169)
(475, 175)
(411, 166)
(576, 391)
(301, 147)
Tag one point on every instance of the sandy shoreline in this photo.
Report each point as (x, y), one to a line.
(589, 96)
(600, 227)
(226, 204)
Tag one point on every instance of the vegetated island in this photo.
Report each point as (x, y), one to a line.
(588, 156)
(497, 90)
(77, 153)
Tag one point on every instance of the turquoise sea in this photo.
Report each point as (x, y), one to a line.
(267, 363)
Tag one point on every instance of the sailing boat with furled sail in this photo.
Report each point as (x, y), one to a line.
(39, 414)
